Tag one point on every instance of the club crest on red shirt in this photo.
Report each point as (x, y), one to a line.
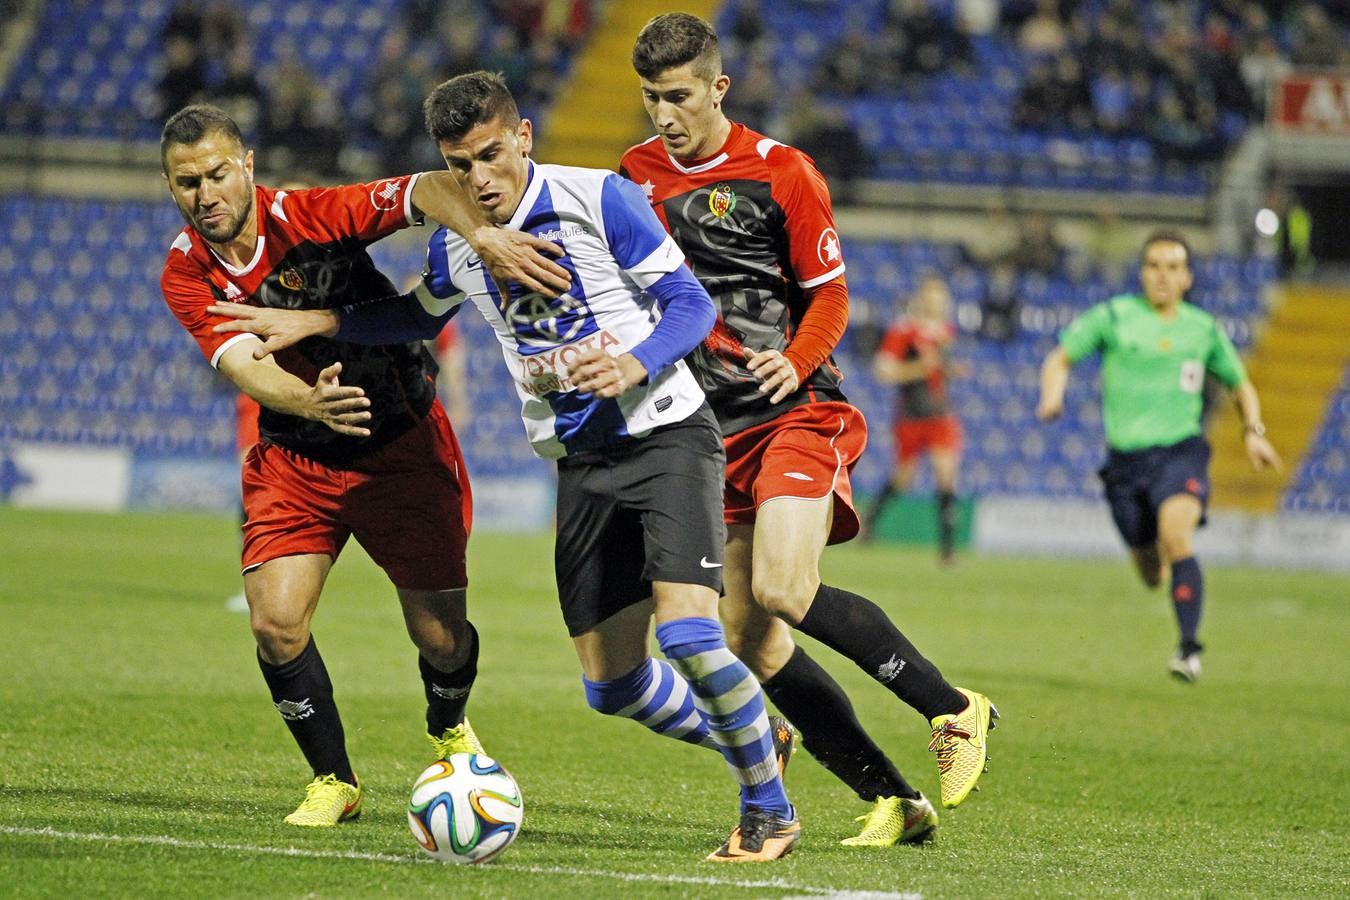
(292, 279)
(722, 201)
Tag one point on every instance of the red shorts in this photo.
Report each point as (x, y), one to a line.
(806, 453)
(915, 437)
(408, 504)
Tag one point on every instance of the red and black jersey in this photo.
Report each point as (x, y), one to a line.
(909, 341)
(312, 255)
(756, 225)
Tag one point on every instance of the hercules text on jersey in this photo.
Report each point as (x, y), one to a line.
(756, 224)
(311, 254)
(615, 251)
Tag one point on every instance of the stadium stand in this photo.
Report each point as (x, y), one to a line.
(957, 121)
(1323, 480)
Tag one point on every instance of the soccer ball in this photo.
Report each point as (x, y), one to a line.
(465, 809)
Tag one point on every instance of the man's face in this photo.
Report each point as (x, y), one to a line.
(212, 184)
(1165, 273)
(934, 300)
(491, 161)
(686, 110)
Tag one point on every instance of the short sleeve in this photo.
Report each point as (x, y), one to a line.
(814, 249)
(636, 237)
(367, 212)
(1087, 333)
(1223, 359)
(188, 295)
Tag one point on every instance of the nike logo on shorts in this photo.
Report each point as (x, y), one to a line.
(798, 475)
(709, 565)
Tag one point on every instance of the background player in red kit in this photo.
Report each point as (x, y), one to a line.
(915, 356)
(352, 439)
(754, 219)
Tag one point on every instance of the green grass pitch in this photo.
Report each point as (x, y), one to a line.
(140, 756)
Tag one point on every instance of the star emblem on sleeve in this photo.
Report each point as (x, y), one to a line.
(647, 188)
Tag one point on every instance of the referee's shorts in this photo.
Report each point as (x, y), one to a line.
(648, 510)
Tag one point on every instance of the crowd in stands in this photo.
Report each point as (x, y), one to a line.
(298, 119)
(1184, 75)
(1187, 76)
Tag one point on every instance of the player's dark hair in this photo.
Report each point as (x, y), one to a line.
(1165, 236)
(192, 123)
(456, 106)
(672, 40)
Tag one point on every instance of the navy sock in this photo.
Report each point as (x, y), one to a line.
(447, 693)
(830, 731)
(303, 693)
(860, 630)
(1188, 598)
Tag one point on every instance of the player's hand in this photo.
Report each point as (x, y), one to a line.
(1050, 408)
(1262, 453)
(596, 372)
(341, 407)
(279, 328)
(775, 372)
(516, 256)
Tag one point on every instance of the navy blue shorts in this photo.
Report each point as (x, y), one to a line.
(1138, 481)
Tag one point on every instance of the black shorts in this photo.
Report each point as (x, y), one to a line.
(1138, 481)
(648, 510)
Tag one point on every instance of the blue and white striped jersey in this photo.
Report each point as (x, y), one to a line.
(615, 249)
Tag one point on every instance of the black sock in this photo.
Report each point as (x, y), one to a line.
(860, 630)
(303, 694)
(816, 704)
(1188, 598)
(448, 692)
(874, 514)
(946, 502)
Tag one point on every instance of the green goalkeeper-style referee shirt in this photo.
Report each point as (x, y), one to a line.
(1153, 370)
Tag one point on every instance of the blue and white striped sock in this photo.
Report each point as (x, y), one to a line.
(654, 695)
(731, 700)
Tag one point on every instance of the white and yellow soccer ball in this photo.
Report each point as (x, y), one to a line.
(465, 809)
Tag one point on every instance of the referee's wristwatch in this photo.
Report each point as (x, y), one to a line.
(1256, 428)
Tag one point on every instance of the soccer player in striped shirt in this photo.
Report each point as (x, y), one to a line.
(1156, 349)
(605, 392)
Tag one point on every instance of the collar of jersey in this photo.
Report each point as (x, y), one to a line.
(533, 185)
(713, 163)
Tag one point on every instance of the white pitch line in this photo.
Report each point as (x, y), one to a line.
(165, 841)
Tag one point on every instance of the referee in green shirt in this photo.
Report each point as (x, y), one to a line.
(1155, 352)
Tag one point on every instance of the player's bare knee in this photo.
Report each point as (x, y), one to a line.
(1174, 541)
(277, 642)
(783, 595)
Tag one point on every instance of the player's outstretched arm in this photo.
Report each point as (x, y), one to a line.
(1260, 451)
(507, 255)
(1054, 379)
(343, 408)
(278, 328)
